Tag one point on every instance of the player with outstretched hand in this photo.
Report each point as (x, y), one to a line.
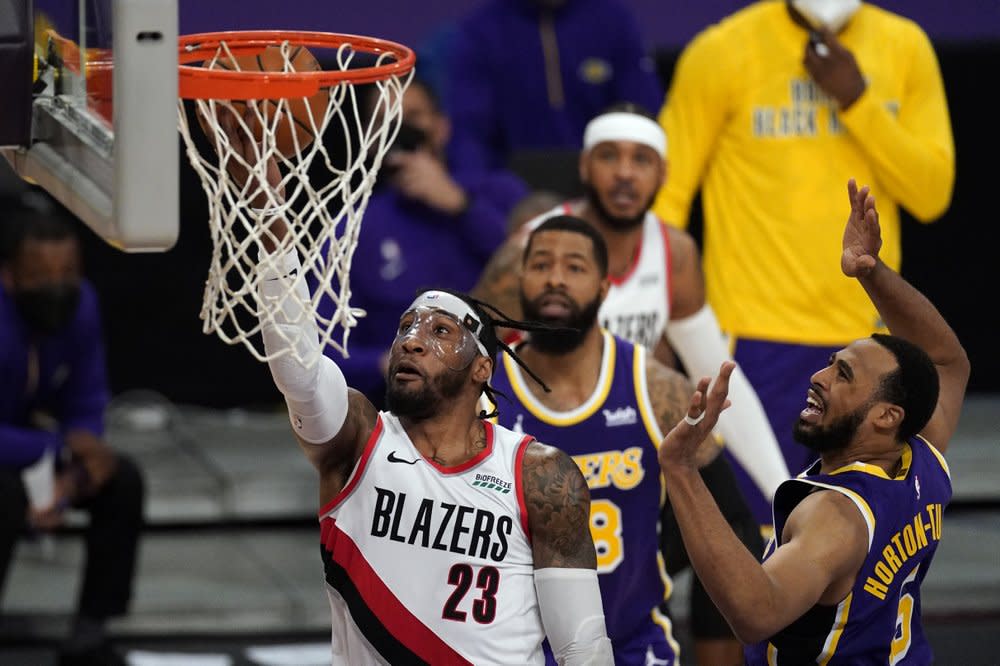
(856, 532)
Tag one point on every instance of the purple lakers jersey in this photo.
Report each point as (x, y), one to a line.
(879, 621)
(612, 437)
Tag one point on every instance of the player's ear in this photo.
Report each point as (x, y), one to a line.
(605, 286)
(482, 369)
(887, 416)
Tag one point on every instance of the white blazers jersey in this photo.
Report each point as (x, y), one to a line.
(432, 564)
(637, 307)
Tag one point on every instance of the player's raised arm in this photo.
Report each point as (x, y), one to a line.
(569, 598)
(907, 312)
(329, 421)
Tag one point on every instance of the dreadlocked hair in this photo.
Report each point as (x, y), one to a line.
(488, 336)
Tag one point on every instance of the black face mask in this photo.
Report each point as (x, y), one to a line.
(409, 139)
(48, 309)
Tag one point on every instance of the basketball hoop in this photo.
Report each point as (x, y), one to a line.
(273, 86)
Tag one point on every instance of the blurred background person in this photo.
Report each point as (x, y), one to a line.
(530, 74)
(606, 402)
(769, 112)
(53, 398)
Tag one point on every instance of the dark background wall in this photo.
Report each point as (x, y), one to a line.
(664, 23)
(151, 301)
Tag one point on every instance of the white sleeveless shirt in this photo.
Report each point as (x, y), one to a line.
(637, 306)
(426, 563)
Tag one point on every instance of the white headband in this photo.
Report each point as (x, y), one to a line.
(623, 126)
(457, 308)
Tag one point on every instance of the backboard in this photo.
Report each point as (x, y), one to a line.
(103, 137)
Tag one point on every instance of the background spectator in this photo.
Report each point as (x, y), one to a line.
(530, 74)
(768, 133)
(53, 396)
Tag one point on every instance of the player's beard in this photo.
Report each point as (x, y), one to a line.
(616, 222)
(572, 330)
(430, 399)
(832, 437)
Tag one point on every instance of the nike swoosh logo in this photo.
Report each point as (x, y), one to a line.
(392, 458)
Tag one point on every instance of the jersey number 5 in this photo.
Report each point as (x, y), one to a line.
(484, 609)
(904, 620)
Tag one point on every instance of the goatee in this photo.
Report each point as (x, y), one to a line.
(572, 330)
(430, 399)
(616, 222)
(833, 437)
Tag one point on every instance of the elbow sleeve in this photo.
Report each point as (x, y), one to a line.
(573, 616)
(316, 394)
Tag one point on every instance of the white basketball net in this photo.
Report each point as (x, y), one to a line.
(325, 197)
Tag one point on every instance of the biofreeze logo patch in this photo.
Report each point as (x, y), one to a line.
(491, 482)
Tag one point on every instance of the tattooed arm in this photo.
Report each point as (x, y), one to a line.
(670, 393)
(569, 597)
(500, 281)
(558, 503)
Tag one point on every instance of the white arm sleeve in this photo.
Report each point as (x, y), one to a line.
(744, 427)
(316, 396)
(573, 616)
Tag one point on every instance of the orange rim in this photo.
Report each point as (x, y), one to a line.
(198, 82)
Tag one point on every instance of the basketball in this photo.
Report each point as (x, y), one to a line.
(294, 123)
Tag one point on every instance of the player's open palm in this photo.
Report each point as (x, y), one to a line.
(862, 235)
(680, 446)
(246, 155)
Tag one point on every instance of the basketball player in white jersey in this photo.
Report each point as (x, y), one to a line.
(657, 299)
(445, 539)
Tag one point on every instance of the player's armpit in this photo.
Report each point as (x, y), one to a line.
(558, 505)
(499, 283)
(670, 393)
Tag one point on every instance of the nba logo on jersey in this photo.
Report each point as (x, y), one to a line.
(518, 426)
(916, 485)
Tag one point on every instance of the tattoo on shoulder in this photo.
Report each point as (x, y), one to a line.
(499, 282)
(558, 502)
(669, 391)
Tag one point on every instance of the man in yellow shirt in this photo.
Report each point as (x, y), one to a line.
(768, 113)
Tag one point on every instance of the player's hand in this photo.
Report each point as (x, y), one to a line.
(245, 147)
(245, 166)
(98, 460)
(833, 67)
(681, 445)
(422, 176)
(51, 517)
(862, 235)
